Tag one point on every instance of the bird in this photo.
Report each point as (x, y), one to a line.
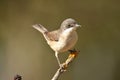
(62, 39)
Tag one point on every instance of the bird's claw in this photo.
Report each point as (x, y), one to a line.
(63, 66)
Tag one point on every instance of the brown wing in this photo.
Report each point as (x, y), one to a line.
(53, 35)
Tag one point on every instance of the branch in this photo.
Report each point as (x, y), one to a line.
(71, 57)
(18, 77)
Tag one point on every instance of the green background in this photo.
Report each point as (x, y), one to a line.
(24, 51)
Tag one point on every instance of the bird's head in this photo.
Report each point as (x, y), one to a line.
(69, 24)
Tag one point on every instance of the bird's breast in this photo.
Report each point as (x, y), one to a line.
(70, 41)
(65, 43)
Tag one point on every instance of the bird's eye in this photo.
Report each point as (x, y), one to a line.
(69, 26)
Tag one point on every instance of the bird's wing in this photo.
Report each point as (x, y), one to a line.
(53, 35)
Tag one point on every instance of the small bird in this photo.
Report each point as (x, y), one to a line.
(62, 39)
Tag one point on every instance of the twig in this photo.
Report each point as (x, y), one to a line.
(71, 57)
(18, 77)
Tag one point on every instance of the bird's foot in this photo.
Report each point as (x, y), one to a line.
(72, 50)
(63, 66)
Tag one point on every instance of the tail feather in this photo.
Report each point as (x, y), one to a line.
(40, 28)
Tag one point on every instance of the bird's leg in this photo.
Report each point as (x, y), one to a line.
(72, 50)
(56, 55)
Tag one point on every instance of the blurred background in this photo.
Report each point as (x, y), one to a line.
(24, 51)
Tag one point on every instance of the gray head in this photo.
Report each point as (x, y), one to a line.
(69, 23)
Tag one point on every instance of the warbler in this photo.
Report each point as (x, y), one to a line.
(62, 39)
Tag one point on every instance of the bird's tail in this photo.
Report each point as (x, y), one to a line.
(40, 28)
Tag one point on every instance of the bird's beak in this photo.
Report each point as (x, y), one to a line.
(77, 25)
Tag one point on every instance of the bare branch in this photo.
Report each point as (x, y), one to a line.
(18, 77)
(71, 57)
(62, 69)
